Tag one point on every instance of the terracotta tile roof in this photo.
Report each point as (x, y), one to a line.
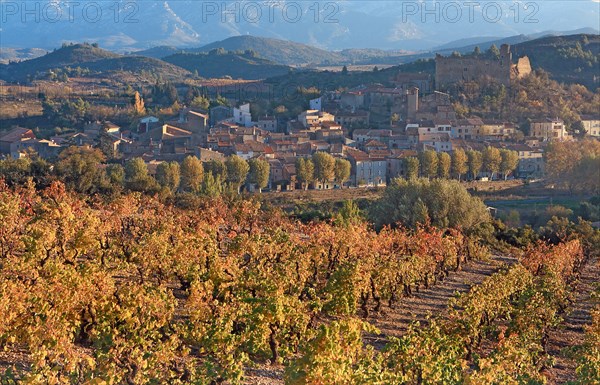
(357, 155)
(374, 143)
(17, 134)
(469, 122)
(172, 132)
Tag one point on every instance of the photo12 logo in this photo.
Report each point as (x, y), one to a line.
(469, 11)
(255, 12)
(127, 11)
(71, 11)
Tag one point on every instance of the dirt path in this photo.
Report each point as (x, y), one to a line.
(570, 332)
(433, 301)
(264, 375)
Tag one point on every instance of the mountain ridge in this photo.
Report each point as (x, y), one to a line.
(572, 59)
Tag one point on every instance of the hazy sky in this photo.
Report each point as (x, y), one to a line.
(123, 24)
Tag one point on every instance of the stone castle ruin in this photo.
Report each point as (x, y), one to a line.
(457, 69)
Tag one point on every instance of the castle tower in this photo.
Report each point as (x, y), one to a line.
(505, 55)
(413, 102)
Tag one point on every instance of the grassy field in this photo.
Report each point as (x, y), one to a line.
(290, 198)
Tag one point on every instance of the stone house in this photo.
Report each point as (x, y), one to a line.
(549, 130)
(10, 142)
(367, 170)
(591, 125)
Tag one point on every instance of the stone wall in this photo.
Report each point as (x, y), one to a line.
(522, 68)
(452, 70)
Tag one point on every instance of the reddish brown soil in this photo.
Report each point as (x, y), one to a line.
(570, 332)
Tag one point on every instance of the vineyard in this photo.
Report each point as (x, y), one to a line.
(132, 290)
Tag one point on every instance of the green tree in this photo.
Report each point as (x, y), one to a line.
(412, 167)
(305, 169)
(475, 162)
(446, 203)
(494, 51)
(237, 171)
(445, 163)
(349, 213)
(342, 169)
(135, 169)
(429, 163)
(116, 174)
(217, 168)
(324, 166)
(491, 160)
(259, 173)
(420, 213)
(137, 177)
(459, 162)
(15, 171)
(561, 160)
(200, 102)
(509, 163)
(191, 174)
(168, 175)
(79, 168)
(212, 186)
(106, 145)
(41, 171)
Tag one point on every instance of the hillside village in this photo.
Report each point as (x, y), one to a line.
(381, 131)
(258, 211)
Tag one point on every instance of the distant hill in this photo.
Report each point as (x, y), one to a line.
(580, 31)
(220, 64)
(91, 59)
(160, 51)
(19, 54)
(297, 54)
(281, 52)
(512, 40)
(137, 64)
(468, 44)
(278, 51)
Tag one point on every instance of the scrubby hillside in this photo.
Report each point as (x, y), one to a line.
(569, 59)
(278, 51)
(85, 59)
(219, 63)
